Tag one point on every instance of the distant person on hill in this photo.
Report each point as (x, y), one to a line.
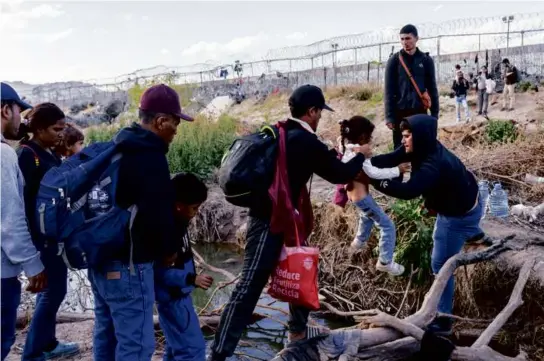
(402, 97)
(449, 189)
(460, 87)
(511, 78)
(18, 251)
(175, 283)
(483, 94)
(306, 155)
(358, 131)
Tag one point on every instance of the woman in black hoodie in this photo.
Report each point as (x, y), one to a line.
(36, 156)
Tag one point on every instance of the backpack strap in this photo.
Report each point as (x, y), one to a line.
(36, 159)
(416, 87)
(133, 211)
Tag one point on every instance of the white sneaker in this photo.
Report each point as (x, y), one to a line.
(357, 244)
(392, 268)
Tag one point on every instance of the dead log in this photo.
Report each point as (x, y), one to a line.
(207, 322)
(388, 341)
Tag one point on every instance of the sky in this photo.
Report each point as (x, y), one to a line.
(81, 40)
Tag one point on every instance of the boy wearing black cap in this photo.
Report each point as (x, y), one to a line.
(401, 98)
(306, 155)
(124, 301)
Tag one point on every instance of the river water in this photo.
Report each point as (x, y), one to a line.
(262, 340)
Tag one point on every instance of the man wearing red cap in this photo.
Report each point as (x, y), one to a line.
(124, 301)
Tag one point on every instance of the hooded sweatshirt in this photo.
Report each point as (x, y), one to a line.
(437, 174)
(144, 180)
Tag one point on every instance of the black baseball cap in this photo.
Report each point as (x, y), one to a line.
(309, 96)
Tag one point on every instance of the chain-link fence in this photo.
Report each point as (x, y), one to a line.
(344, 60)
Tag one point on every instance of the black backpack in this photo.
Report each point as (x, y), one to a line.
(247, 168)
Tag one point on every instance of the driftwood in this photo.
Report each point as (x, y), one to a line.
(207, 322)
(388, 340)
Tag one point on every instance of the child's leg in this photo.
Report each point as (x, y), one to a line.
(363, 230)
(388, 237)
(181, 328)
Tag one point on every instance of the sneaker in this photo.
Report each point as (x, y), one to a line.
(62, 350)
(357, 244)
(479, 113)
(511, 109)
(392, 268)
(480, 239)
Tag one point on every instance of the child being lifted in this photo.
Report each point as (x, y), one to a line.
(354, 132)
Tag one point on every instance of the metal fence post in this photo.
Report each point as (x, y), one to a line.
(324, 78)
(438, 60)
(379, 62)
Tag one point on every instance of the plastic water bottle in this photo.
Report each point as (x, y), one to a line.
(498, 201)
(483, 187)
(98, 201)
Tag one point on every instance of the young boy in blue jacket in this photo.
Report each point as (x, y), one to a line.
(174, 284)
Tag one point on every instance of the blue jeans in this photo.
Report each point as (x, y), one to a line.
(123, 308)
(10, 299)
(372, 214)
(42, 333)
(461, 100)
(450, 234)
(179, 322)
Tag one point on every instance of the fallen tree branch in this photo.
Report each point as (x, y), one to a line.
(211, 268)
(514, 303)
(349, 313)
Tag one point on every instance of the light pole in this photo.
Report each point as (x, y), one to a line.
(507, 20)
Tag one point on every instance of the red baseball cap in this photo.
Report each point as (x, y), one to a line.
(162, 99)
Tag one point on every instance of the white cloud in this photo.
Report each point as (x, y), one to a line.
(54, 37)
(438, 7)
(296, 36)
(214, 50)
(16, 17)
(100, 31)
(165, 51)
(145, 17)
(127, 17)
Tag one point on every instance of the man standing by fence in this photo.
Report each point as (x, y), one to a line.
(410, 83)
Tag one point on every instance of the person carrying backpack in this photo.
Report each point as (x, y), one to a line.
(18, 251)
(410, 84)
(46, 123)
(123, 285)
(306, 155)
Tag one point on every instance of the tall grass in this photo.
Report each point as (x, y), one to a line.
(197, 148)
(185, 91)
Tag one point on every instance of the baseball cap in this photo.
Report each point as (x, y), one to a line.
(7, 93)
(163, 99)
(309, 96)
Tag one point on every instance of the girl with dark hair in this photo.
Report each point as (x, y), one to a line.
(46, 123)
(355, 132)
(71, 141)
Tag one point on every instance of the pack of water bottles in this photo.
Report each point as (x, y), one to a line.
(495, 199)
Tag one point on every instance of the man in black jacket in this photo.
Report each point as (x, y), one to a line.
(123, 300)
(400, 97)
(306, 155)
(449, 189)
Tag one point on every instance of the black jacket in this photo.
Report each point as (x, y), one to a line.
(437, 174)
(460, 88)
(307, 155)
(144, 180)
(399, 92)
(33, 174)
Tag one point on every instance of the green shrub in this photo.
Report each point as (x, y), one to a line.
(414, 237)
(500, 131)
(364, 94)
(198, 147)
(524, 86)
